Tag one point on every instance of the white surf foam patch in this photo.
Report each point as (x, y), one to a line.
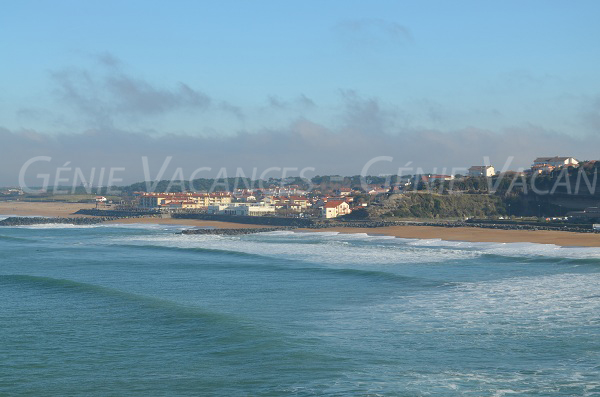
(139, 226)
(542, 250)
(516, 311)
(547, 301)
(339, 248)
(506, 249)
(527, 250)
(54, 226)
(323, 248)
(144, 226)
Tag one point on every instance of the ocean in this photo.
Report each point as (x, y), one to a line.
(139, 310)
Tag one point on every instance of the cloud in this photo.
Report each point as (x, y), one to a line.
(107, 59)
(303, 143)
(305, 102)
(139, 97)
(276, 102)
(302, 102)
(232, 109)
(368, 116)
(104, 96)
(591, 114)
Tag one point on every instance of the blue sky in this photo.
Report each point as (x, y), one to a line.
(290, 74)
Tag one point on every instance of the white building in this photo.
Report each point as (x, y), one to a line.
(482, 170)
(333, 209)
(555, 161)
(241, 209)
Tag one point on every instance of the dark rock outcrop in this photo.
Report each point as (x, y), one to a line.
(235, 232)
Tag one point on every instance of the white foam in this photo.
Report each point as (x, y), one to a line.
(527, 303)
(55, 226)
(325, 248)
(141, 226)
(144, 226)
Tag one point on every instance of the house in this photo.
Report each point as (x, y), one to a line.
(101, 200)
(556, 161)
(378, 190)
(301, 202)
(335, 208)
(482, 170)
(343, 191)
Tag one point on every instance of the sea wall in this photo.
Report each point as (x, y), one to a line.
(117, 213)
(251, 220)
(233, 232)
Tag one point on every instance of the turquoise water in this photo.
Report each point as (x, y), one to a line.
(140, 310)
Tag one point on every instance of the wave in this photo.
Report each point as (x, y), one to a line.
(71, 287)
(188, 249)
(377, 275)
(291, 265)
(16, 239)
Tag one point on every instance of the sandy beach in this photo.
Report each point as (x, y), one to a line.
(55, 209)
(421, 232)
(473, 234)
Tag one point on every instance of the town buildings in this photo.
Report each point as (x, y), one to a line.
(244, 205)
(544, 165)
(182, 200)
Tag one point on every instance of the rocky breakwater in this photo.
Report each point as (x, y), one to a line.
(28, 221)
(235, 231)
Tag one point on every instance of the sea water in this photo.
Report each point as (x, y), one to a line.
(141, 310)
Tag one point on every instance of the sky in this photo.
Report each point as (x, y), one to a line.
(324, 85)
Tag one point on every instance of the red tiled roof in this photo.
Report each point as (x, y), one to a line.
(333, 204)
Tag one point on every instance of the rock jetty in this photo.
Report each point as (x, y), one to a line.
(236, 231)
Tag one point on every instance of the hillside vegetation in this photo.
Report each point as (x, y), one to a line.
(428, 205)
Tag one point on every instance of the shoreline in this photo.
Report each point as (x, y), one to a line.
(475, 235)
(467, 234)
